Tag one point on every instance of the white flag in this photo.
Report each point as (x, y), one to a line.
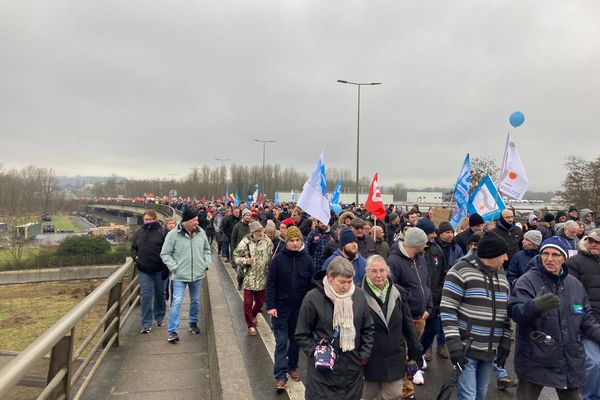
(313, 198)
(255, 196)
(513, 179)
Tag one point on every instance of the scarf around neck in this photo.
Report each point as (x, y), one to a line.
(380, 293)
(343, 316)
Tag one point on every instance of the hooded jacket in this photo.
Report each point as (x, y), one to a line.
(255, 276)
(586, 268)
(359, 263)
(288, 280)
(344, 215)
(587, 224)
(146, 245)
(345, 382)
(513, 236)
(394, 330)
(519, 264)
(187, 257)
(413, 277)
(436, 269)
(549, 346)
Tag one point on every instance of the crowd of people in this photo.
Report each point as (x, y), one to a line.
(367, 300)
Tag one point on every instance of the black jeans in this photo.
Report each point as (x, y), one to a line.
(531, 391)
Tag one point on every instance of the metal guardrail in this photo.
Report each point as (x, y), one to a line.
(63, 380)
(163, 209)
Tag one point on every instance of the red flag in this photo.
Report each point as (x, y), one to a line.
(374, 202)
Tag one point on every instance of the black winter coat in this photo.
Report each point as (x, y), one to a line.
(560, 360)
(146, 245)
(586, 268)
(413, 277)
(366, 246)
(228, 225)
(513, 236)
(288, 281)
(345, 382)
(436, 268)
(519, 264)
(462, 239)
(393, 330)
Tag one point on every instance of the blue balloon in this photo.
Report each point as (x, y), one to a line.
(516, 119)
(337, 209)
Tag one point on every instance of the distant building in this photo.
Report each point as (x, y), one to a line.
(424, 197)
(28, 231)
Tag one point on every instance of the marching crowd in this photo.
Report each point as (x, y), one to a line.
(366, 300)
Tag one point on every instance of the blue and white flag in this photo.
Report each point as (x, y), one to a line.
(461, 193)
(314, 199)
(237, 199)
(486, 201)
(276, 200)
(292, 196)
(335, 196)
(255, 195)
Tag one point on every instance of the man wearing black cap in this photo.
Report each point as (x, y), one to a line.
(186, 252)
(475, 225)
(366, 244)
(474, 311)
(349, 249)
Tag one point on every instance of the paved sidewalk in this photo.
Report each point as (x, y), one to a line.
(148, 367)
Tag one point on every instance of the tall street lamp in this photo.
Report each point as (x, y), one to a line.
(264, 142)
(358, 127)
(224, 177)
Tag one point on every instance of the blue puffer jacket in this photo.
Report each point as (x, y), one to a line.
(549, 347)
(290, 275)
(519, 264)
(359, 264)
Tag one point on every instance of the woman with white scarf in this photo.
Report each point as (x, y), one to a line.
(336, 305)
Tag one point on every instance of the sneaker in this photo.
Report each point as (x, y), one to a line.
(413, 397)
(294, 375)
(173, 337)
(194, 328)
(418, 379)
(505, 382)
(252, 331)
(160, 323)
(424, 366)
(427, 356)
(442, 352)
(145, 330)
(280, 385)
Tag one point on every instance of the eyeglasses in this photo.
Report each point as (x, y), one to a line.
(551, 255)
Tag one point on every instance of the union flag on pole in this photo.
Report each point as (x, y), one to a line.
(374, 202)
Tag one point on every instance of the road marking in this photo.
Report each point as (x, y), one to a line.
(295, 390)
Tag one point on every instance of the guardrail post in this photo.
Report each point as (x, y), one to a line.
(60, 357)
(114, 297)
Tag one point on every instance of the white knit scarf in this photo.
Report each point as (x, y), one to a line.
(343, 317)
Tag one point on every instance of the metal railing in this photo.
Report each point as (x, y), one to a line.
(65, 379)
(165, 210)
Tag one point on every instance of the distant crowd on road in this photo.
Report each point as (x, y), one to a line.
(368, 301)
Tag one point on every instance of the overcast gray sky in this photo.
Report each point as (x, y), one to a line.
(150, 88)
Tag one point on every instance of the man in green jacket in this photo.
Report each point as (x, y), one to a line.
(186, 252)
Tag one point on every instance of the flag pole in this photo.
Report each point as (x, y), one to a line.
(500, 177)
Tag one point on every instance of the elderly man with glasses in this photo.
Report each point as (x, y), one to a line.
(553, 315)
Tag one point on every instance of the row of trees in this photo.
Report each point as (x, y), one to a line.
(31, 189)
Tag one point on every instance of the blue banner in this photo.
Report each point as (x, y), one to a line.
(461, 193)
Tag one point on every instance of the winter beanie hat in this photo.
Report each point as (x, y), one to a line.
(254, 226)
(475, 219)
(531, 218)
(491, 246)
(445, 227)
(415, 237)
(188, 214)
(555, 243)
(534, 236)
(548, 217)
(292, 233)
(347, 236)
(426, 226)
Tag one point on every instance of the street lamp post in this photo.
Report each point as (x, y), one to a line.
(264, 143)
(225, 177)
(358, 127)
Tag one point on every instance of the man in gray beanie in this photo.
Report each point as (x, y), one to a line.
(409, 269)
(519, 264)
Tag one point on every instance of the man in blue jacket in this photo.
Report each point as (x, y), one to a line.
(186, 252)
(349, 249)
(553, 314)
(289, 278)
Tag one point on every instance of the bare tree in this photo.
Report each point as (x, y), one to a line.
(480, 167)
(48, 187)
(582, 183)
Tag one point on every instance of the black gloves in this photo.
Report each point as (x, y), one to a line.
(457, 354)
(502, 352)
(546, 301)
